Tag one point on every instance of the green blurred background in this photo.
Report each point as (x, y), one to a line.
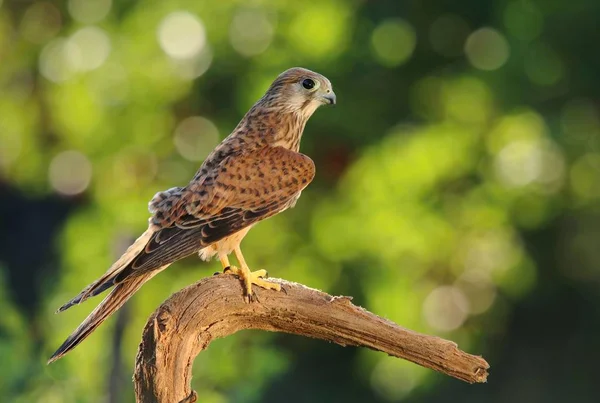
(457, 192)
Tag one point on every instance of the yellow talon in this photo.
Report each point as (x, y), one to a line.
(254, 277)
(248, 277)
(260, 273)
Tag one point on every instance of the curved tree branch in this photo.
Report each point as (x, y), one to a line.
(212, 308)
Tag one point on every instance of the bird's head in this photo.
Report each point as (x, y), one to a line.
(300, 90)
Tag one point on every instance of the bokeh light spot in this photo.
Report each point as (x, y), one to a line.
(181, 35)
(487, 49)
(89, 11)
(467, 100)
(526, 125)
(523, 20)
(447, 35)
(543, 66)
(519, 163)
(195, 137)
(55, 60)
(446, 308)
(251, 32)
(40, 23)
(70, 173)
(479, 289)
(585, 177)
(393, 42)
(522, 162)
(194, 67)
(492, 251)
(392, 380)
(93, 48)
(320, 30)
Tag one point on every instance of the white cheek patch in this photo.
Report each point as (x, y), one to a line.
(297, 100)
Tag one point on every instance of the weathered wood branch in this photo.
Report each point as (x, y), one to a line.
(212, 308)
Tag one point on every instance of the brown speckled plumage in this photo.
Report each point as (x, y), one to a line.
(255, 173)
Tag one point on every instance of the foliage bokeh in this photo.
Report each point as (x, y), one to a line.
(457, 191)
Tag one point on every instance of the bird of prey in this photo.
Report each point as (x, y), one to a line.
(253, 174)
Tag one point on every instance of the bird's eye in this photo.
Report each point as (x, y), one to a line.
(308, 84)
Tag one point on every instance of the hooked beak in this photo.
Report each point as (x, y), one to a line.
(329, 98)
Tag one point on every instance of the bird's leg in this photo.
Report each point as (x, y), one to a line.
(224, 261)
(248, 277)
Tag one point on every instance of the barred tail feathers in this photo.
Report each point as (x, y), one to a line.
(113, 301)
(107, 279)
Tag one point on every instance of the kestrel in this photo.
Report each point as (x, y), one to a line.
(255, 173)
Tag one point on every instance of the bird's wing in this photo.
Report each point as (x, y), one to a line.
(242, 190)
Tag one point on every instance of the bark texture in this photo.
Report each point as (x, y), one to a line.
(190, 319)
